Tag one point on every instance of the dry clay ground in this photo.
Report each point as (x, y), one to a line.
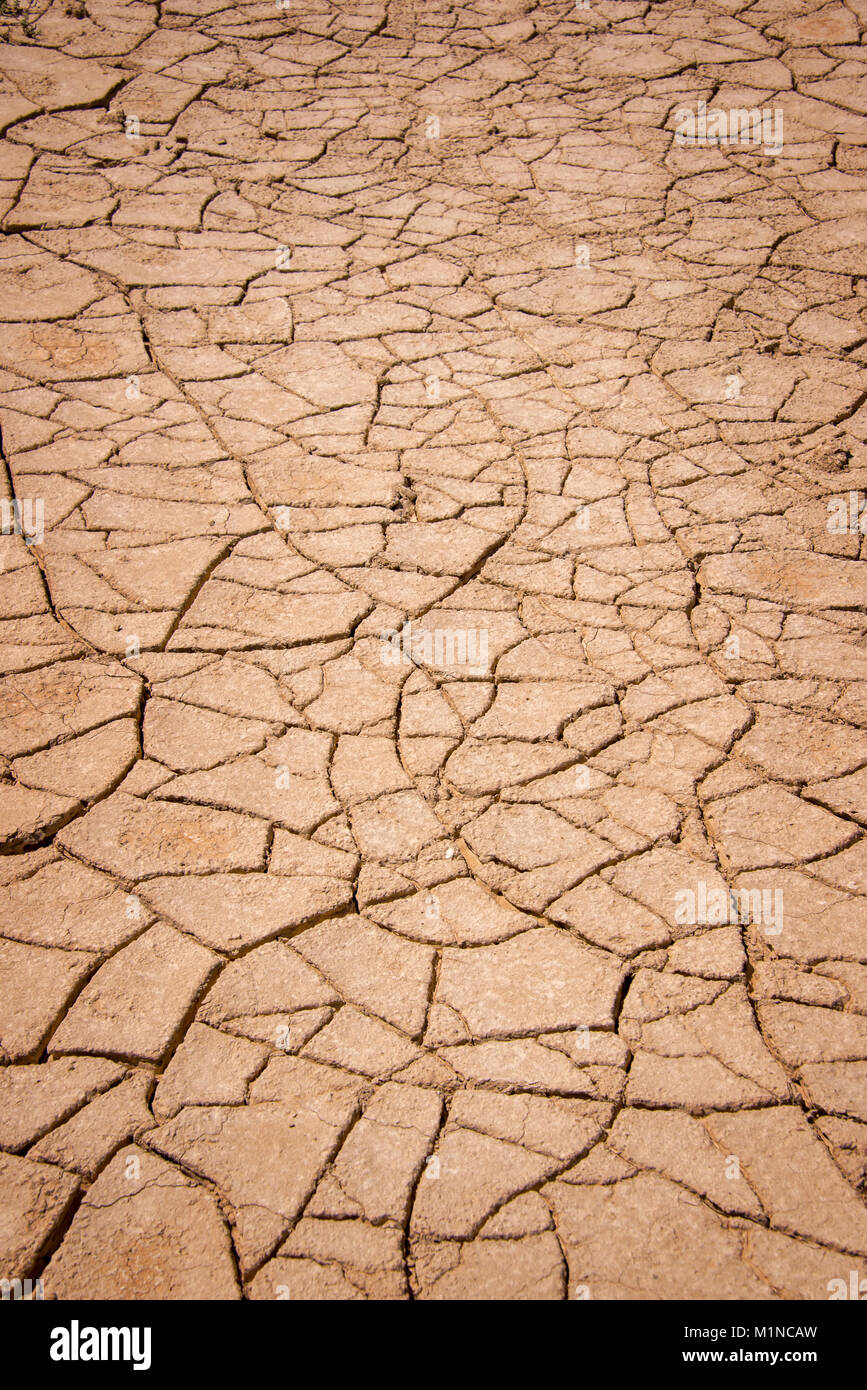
(335, 967)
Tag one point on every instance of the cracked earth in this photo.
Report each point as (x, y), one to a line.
(433, 700)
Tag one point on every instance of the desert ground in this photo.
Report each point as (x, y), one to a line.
(433, 680)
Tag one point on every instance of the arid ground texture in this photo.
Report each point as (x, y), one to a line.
(433, 679)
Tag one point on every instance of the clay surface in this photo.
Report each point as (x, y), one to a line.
(433, 681)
